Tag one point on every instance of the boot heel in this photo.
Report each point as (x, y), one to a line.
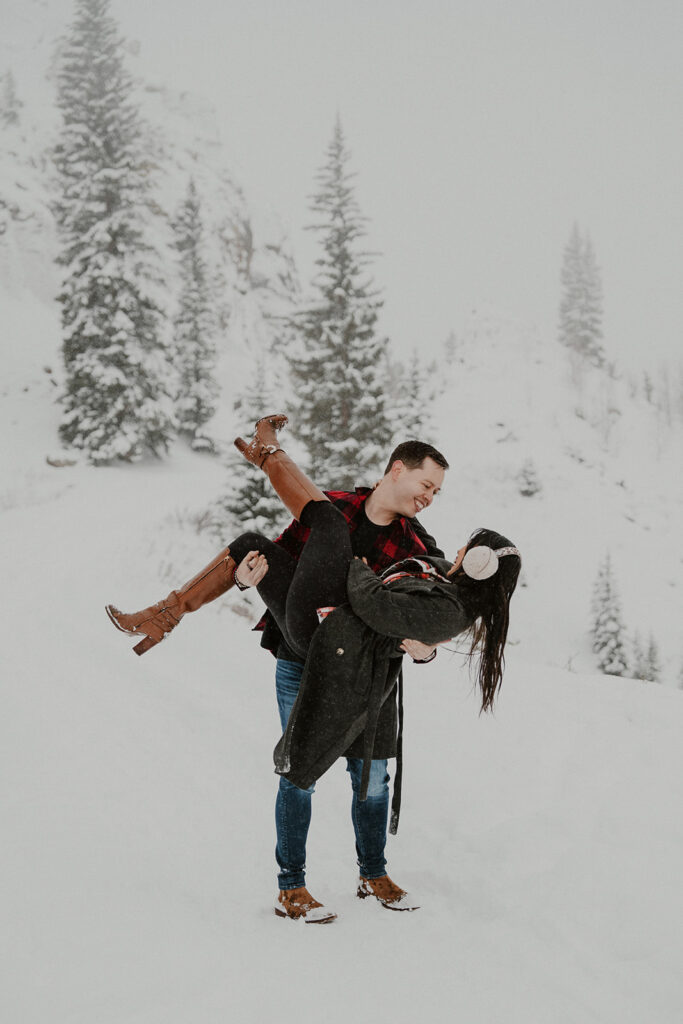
(145, 645)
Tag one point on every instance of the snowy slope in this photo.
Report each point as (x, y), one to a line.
(138, 866)
(610, 480)
(138, 794)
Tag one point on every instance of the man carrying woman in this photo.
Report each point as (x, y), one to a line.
(350, 689)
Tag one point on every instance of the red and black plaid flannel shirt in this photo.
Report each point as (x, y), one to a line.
(397, 542)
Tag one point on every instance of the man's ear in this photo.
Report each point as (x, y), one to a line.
(397, 468)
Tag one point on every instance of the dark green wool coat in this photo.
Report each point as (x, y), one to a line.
(354, 663)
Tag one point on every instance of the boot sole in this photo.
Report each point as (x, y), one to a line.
(306, 920)
(362, 895)
(144, 645)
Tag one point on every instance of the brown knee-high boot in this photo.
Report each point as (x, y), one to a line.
(157, 621)
(289, 482)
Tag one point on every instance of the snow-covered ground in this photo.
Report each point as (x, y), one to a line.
(138, 863)
(138, 838)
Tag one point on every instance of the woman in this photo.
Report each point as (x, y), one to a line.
(353, 657)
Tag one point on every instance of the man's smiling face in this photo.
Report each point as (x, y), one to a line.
(415, 489)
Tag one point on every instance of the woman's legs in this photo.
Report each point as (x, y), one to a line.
(320, 576)
(274, 587)
(293, 591)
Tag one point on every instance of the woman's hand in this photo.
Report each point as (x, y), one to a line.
(251, 569)
(417, 650)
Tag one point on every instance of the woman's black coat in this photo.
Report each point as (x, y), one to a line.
(353, 665)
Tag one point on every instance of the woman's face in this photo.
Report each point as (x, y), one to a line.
(458, 560)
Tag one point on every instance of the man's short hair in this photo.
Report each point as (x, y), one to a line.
(413, 454)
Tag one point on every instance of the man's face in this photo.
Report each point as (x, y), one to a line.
(413, 490)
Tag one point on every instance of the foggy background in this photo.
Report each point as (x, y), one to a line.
(480, 131)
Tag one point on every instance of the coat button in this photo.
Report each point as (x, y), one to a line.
(340, 650)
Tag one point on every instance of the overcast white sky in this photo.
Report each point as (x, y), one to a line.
(480, 130)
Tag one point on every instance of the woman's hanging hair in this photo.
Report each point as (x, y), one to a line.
(491, 603)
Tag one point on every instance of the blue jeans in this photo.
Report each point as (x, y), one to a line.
(293, 805)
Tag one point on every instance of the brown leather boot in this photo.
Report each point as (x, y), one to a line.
(290, 483)
(265, 440)
(387, 893)
(157, 621)
(298, 904)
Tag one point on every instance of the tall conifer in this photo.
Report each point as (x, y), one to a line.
(115, 402)
(415, 391)
(607, 627)
(338, 368)
(580, 326)
(194, 328)
(10, 104)
(249, 501)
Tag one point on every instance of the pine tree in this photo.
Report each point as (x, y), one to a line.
(194, 329)
(337, 369)
(581, 303)
(646, 664)
(450, 348)
(527, 479)
(10, 104)
(607, 628)
(115, 401)
(653, 665)
(413, 395)
(249, 502)
(638, 658)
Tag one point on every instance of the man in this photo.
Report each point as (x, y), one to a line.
(384, 529)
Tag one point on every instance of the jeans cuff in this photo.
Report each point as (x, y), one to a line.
(292, 880)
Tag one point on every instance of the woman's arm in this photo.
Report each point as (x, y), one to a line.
(430, 616)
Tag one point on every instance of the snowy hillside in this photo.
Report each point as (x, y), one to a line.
(609, 475)
(138, 864)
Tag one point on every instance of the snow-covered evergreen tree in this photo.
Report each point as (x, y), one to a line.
(638, 658)
(194, 329)
(581, 303)
(527, 479)
(652, 663)
(607, 627)
(414, 390)
(450, 348)
(338, 367)
(248, 501)
(116, 404)
(645, 663)
(10, 104)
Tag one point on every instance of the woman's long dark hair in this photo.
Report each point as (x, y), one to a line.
(490, 602)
